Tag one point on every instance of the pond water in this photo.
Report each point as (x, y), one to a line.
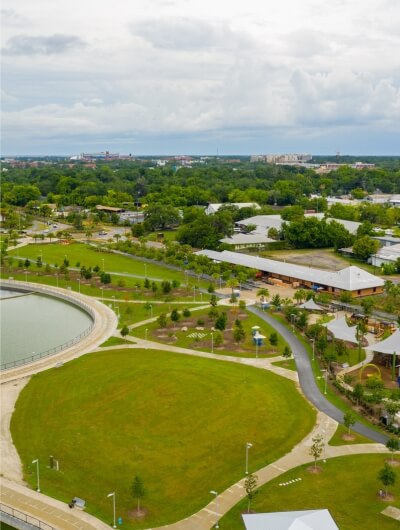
(32, 323)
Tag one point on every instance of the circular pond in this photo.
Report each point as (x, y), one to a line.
(35, 325)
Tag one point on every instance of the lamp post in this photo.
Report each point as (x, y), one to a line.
(26, 275)
(113, 496)
(256, 339)
(292, 318)
(313, 349)
(57, 278)
(37, 473)
(102, 261)
(145, 334)
(113, 302)
(216, 507)
(102, 293)
(212, 342)
(145, 270)
(248, 446)
(326, 379)
(151, 310)
(79, 285)
(194, 293)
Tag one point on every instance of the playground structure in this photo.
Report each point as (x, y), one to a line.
(369, 365)
(373, 325)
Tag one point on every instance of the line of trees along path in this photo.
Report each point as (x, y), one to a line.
(307, 381)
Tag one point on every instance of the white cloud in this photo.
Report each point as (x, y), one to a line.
(189, 67)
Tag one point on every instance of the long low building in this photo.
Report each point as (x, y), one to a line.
(351, 279)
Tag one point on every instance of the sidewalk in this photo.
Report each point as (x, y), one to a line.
(55, 513)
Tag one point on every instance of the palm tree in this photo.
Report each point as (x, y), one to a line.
(232, 283)
(263, 292)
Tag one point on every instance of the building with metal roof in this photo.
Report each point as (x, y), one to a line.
(297, 520)
(352, 279)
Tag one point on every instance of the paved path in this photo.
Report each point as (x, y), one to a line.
(104, 326)
(61, 517)
(307, 381)
(48, 510)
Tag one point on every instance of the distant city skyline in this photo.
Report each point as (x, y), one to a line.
(185, 77)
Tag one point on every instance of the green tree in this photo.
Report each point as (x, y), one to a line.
(364, 247)
(161, 216)
(287, 352)
(221, 322)
(387, 476)
(124, 330)
(162, 320)
(239, 334)
(250, 485)
(358, 392)
(138, 491)
(349, 419)
(367, 304)
(273, 339)
(316, 448)
(393, 445)
(175, 316)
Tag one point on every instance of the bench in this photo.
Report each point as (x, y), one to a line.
(79, 503)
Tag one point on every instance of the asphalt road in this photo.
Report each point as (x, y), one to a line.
(307, 382)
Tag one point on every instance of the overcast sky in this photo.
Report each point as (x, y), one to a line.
(201, 76)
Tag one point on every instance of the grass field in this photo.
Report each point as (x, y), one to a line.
(89, 257)
(337, 438)
(289, 364)
(180, 422)
(348, 487)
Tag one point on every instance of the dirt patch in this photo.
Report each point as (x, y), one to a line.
(320, 259)
(348, 437)
(385, 498)
(138, 515)
(314, 470)
(393, 463)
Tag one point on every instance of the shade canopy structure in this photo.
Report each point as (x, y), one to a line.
(311, 306)
(342, 331)
(391, 345)
(298, 520)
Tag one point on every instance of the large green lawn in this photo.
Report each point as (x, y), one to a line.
(348, 487)
(180, 422)
(89, 257)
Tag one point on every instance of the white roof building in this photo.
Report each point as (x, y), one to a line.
(298, 520)
(348, 279)
(265, 222)
(388, 254)
(214, 207)
(247, 240)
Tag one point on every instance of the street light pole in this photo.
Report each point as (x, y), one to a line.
(313, 349)
(256, 348)
(37, 473)
(292, 315)
(145, 270)
(151, 310)
(216, 507)
(326, 380)
(248, 445)
(113, 496)
(212, 342)
(102, 260)
(79, 286)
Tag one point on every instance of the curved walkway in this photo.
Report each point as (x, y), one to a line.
(307, 381)
(105, 323)
(60, 516)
